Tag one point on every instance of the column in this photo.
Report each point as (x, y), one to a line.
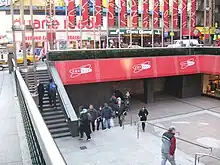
(148, 90)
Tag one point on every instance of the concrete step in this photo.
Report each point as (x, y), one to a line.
(51, 113)
(60, 135)
(51, 109)
(57, 121)
(60, 125)
(51, 106)
(54, 117)
(59, 130)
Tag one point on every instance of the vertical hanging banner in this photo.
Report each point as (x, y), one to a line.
(146, 14)
(111, 13)
(175, 14)
(184, 14)
(71, 13)
(98, 12)
(193, 13)
(156, 13)
(123, 13)
(134, 13)
(166, 15)
(85, 12)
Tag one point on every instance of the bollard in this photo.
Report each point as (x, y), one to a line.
(138, 125)
(131, 120)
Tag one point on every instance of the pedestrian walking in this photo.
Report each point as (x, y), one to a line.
(107, 115)
(168, 146)
(84, 124)
(52, 91)
(94, 114)
(143, 113)
(40, 89)
(99, 119)
(120, 110)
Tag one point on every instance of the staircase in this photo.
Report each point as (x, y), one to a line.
(54, 117)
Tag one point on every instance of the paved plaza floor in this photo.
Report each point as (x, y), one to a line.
(197, 120)
(13, 144)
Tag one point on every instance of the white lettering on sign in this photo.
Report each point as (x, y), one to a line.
(5, 2)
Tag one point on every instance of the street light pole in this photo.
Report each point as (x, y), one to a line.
(13, 33)
(23, 32)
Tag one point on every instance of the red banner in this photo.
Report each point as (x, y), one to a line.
(111, 13)
(175, 14)
(134, 13)
(184, 14)
(98, 12)
(90, 71)
(146, 14)
(156, 13)
(193, 14)
(166, 14)
(123, 13)
(71, 13)
(85, 13)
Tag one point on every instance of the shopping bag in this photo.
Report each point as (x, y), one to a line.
(112, 122)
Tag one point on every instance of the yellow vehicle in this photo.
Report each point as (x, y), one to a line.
(30, 58)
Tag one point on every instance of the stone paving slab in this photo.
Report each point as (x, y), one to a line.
(117, 146)
(10, 149)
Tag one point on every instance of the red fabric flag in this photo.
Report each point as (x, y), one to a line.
(123, 13)
(166, 14)
(175, 14)
(193, 14)
(85, 12)
(134, 13)
(184, 14)
(145, 14)
(71, 13)
(111, 13)
(156, 13)
(98, 13)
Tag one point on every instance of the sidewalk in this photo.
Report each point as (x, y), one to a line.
(13, 148)
(117, 146)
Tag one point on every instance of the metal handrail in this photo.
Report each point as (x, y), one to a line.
(63, 96)
(127, 48)
(184, 140)
(204, 155)
(50, 151)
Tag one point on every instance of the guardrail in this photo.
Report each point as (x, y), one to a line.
(181, 139)
(197, 158)
(41, 145)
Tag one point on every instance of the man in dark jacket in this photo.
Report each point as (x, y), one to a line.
(40, 89)
(99, 119)
(52, 91)
(107, 115)
(94, 114)
(84, 124)
(143, 113)
(168, 146)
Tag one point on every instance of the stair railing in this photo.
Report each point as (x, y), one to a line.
(198, 156)
(43, 149)
(179, 138)
(73, 121)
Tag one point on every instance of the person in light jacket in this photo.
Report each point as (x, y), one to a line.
(168, 146)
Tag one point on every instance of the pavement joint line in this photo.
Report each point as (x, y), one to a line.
(189, 104)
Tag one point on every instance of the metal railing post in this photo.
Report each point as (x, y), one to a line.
(195, 159)
(131, 120)
(138, 130)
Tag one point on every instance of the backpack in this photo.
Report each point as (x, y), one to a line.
(86, 117)
(52, 87)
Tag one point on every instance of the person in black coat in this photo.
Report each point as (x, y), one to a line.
(120, 111)
(40, 89)
(99, 119)
(143, 113)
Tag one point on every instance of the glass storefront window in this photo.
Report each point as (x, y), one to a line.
(211, 85)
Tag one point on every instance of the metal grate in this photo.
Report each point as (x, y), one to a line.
(83, 147)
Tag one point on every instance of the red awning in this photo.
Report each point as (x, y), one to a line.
(194, 33)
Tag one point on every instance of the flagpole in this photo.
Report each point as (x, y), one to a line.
(152, 35)
(94, 30)
(119, 23)
(130, 26)
(205, 19)
(67, 26)
(190, 29)
(162, 31)
(181, 20)
(107, 9)
(142, 35)
(80, 24)
(172, 23)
